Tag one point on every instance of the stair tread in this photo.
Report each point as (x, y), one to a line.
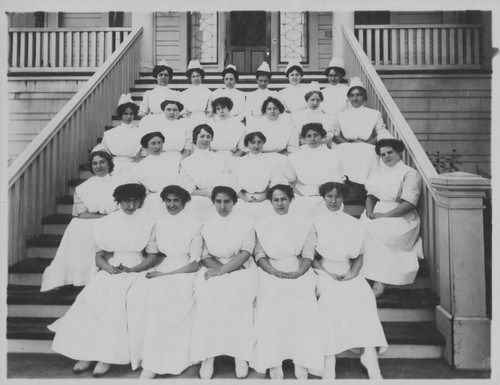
(65, 199)
(75, 182)
(407, 333)
(45, 240)
(57, 219)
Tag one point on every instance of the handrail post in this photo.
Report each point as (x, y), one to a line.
(462, 313)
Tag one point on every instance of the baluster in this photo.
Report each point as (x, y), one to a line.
(468, 46)
(45, 62)
(30, 50)
(427, 48)
(385, 40)
(476, 46)
(70, 41)
(118, 40)
(435, 43)
(109, 45)
(411, 58)
(402, 50)
(53, 49)
(85, 49)
(362, 39)
(78, 49)
(394, 50)
(452, 46)
(377, 47)
(62, 49)
(101, 48)
(369, 44)
(22, 52)
(460, 39)
(419, 43)
(14, 50)
(444, 43)
(93, 49)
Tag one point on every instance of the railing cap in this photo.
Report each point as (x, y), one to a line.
(460, 181)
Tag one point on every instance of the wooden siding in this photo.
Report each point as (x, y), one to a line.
(82, 20)
(325, 47)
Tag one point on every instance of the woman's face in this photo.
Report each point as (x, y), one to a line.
(130, 205)
(313, 102)
(333, 77)
(262, 82)
(272, 111)
(171, 111)
(255, 145)
(280, 201)
(222, 112)
(163, 78)
(196, 78)
(223, 204)
(294, 78)
(229, 80)
(155, 146)
(357, 98)
(128, 116)
(100, 166)
(389, 156)
(174, 204)
(313, 139)
(203, 140)
(333, 200)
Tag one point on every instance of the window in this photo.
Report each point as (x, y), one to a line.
(294, 36)
(203, 37)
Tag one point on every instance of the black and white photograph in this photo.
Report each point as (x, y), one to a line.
(249, 191)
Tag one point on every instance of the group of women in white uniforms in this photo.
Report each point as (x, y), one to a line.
(246, 256)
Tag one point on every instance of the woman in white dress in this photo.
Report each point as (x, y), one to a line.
(122, 141)
(228, 131)
(152, 99)
(255, 98)
(176, 131)
(281, 137)
(356, 130)
(160, 307)
(392, 243)
(293, 94)
(311, 166)
(231, 76)
(335, 93)
(346, 302)
(93, 199)
(287, 316)
(95, 326)
(225, 288)
(203, 167)
(196, 98)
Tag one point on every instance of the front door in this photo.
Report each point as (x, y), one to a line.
(248, 39)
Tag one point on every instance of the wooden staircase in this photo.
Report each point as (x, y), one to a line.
(407, 313)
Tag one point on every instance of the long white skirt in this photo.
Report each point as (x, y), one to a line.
(392, 247)
(95, 326)
(358, 160)
(74, 261)
(224, 315)
(349, 314)
(288, 322)
(160, 315)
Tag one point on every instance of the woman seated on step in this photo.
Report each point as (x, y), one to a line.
(346, 302)
(287, 320)
(93, 199)
(95, 326)
(160, 306)
(230, 77)
(195, 98)
(392, 243)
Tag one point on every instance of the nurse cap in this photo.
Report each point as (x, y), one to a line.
(337, 64)
(183, 182)
(226, 181)
(162, 66)
(293, 64)
(124, 99)
(194, 65)
(230, 68)
(356, 82)
(264, 67)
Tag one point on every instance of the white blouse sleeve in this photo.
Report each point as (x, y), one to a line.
(152, 247)
(78, 206)
(258, 252)
(411, 187)
(144, 106)
(248, 243)
(196, 247)
(289, 172)
(309, 245)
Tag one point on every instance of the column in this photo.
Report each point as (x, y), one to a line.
(338, 20)
(461, 316)
(146, 21)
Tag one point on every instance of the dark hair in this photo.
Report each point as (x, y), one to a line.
(361, 90)
(174, 189)
(189, 72)
(120, 110)
(150, 135)
(224, 190)
(341, 188)
(275, 101)
(198, 128)
(160, 68)
(251, 135)
(223, 101)
(318, 127)
(294, 68)
(282, 187)
(129, 191)
(103, 154)
(311, 93)
(396, 145)
(338, 70)
(167, 102)
(262, 73)
(231, 71)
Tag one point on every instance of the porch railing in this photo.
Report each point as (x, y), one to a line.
(431, 46)
(378, 98)
(67, 49)
(40, 174)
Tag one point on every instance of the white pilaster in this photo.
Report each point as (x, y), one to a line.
(146, 21)
(338, 20)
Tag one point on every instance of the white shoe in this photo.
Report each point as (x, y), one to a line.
(329, 368)
(207, 369)
(276, 373)
(300, 372)
(241, 368)
(101, 369)
(370, 361)
(81, 366)
(147, 374)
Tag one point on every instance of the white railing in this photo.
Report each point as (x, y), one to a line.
(430, 46)
(40, 174)
(62, 48)
(359, 65)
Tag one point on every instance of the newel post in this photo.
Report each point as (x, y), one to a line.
(461, 316)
